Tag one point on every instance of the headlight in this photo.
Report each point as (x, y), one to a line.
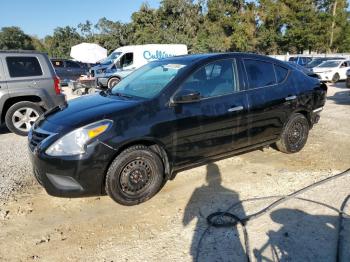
(74, 143)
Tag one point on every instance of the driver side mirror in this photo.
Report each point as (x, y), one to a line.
(186, 96)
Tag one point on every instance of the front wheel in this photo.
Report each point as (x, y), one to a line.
(135, 176)
(335, 78)
(21, 116)
(112, 82)
(294, 134)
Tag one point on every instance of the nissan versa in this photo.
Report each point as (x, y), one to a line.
(168, 116)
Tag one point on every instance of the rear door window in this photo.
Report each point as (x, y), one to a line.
(260, 73)
(20, 66)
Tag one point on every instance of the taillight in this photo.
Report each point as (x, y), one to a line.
(56, 85)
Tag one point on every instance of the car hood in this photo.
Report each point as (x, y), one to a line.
(85, 110)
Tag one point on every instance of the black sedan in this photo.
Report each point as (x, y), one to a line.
(171, 115)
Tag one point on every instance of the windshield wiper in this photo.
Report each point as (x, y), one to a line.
(122, 95)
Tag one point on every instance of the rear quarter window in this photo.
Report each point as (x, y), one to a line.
(20, 66)
(281, 73)
(260, 73)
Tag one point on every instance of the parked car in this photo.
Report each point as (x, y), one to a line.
(319, 60)
(348, 78)
(300, 60)
(68, 70)
(171, 115)
(127, 59)
(332, 70)
(28, 87)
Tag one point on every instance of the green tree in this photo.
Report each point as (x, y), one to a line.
(12, 38)
(60, 43)
(38, 44)
(112, 35)
(146, 26)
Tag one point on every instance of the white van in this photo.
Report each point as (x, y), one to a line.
(126, 59)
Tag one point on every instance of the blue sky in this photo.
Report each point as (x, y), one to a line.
(41, 17)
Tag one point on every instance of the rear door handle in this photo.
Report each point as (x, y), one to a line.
(235, 109)
(288, 98)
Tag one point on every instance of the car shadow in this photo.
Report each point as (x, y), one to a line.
(4, 130)
(215, 244)
(340, 84)
(341, 97)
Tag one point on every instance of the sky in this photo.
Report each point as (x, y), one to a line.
(41, 17)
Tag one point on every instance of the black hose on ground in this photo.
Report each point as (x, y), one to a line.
(227, 219)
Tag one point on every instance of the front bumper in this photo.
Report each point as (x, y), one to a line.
(102, 81)
(326, 76)
(73, 176)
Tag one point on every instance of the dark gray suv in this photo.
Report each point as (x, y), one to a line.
(28, 87)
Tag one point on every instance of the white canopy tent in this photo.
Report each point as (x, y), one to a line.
(88, 53)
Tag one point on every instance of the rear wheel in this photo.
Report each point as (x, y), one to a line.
(135, 176)
(335, 78)
(112, 82)
(294, 134)
(21, 116)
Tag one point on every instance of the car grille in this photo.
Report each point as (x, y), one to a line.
(36, 138)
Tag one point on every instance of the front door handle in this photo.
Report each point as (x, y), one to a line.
(235, 109)
(288, 98)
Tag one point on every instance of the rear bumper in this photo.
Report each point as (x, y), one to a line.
(54, 101)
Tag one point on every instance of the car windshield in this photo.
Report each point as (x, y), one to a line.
(149, 80)
(109, 59)
(330, 64)
(315, 63)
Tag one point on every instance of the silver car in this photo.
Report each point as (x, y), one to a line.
(28, 87)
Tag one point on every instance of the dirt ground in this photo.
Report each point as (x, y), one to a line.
(172, 226)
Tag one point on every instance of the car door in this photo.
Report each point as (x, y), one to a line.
(271, 99)
(215, 124)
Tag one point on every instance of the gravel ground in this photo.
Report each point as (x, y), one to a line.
(15, 168)
(169, 227)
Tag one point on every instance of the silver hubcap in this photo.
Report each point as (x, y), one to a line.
(24, 118)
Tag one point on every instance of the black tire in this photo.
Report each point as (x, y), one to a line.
(24, 107)
(112, 82)
(335, 78)
(294, 134)
(135, 176)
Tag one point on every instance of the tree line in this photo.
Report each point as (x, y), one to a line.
(261, 26)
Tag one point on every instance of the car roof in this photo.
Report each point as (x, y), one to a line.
(196, 58)
(23, 52)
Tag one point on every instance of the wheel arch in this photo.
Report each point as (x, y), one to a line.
(114, 76)
(305, 113)
(13, 100)
(155, 145)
